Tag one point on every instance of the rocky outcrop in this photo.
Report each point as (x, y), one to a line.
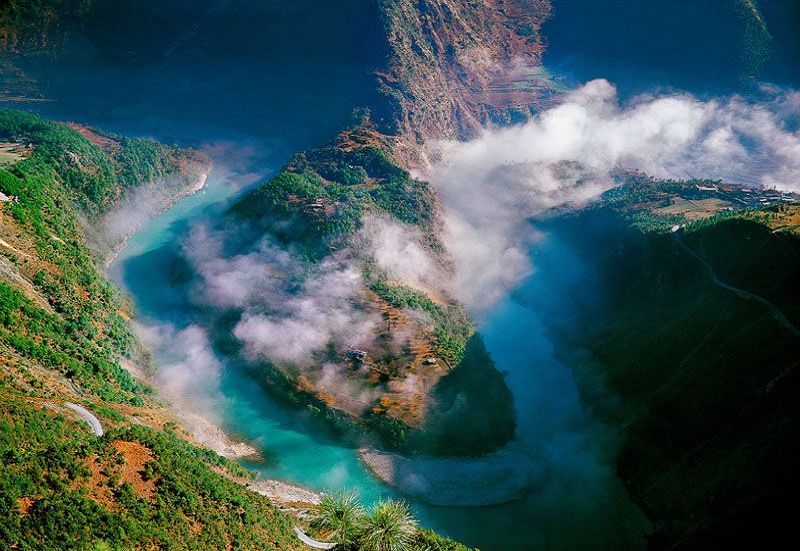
(459, 65)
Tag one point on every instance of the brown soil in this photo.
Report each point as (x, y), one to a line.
(25, 504)
(99, 140)
(786, 218)
(136, 456)
(97, 484)
(693, 209)
(362, 136)
(131, 471)
(401, 367)
(12, 152)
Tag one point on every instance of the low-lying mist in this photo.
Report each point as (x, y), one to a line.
(516, 277)
(568, 156)
(520, 279)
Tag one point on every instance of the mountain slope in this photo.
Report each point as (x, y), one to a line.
(408, 363)
(696, 334)
(456, 67)
(64, 338)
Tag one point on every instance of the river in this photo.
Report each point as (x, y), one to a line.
(254, 96)
(576, 500)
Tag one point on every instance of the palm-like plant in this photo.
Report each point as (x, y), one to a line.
(341, 514)
(390, 527)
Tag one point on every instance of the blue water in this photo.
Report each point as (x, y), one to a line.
(254, 96)
(577, 503)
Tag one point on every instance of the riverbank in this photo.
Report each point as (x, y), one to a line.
(110, 235)
(500, 477)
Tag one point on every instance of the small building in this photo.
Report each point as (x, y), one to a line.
(429, 361)
(4, 198)
(356, 354)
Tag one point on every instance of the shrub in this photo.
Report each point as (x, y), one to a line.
(390, 527)
(341, 515)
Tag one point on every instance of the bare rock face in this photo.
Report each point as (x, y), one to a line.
(459, 65)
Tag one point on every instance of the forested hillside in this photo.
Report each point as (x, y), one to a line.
(64, 337)
(695, 332)
(429, 382)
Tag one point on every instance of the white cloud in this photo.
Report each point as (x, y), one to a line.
(398, 251)
(493, 185)
(291, 309)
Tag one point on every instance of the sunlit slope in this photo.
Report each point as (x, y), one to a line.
(58, 308)
(415, 371)
(65, 340)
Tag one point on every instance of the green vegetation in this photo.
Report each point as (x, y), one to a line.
(341, 517)
(70, 345)
(703, 378)
(85, 332)
(38, 28)
(452, 326)
(316, 203)
(62, 488)
(757, 42)
(637, 198)
(62, 324)
(60, 320)
(390, 526)
(95, 177)
(315, 206)
(653, 205)
(471, 408)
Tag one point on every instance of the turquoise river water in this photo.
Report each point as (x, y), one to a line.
(576, 502)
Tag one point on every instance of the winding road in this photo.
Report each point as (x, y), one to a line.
(87, 416)
(747, 295)
(312, 542)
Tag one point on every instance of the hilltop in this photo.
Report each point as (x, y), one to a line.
(417, 373)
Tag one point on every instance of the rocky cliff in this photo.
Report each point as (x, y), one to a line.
(459, 65)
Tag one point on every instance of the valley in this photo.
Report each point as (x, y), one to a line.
(423, 252)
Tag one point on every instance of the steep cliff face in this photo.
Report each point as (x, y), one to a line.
(459, 65)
